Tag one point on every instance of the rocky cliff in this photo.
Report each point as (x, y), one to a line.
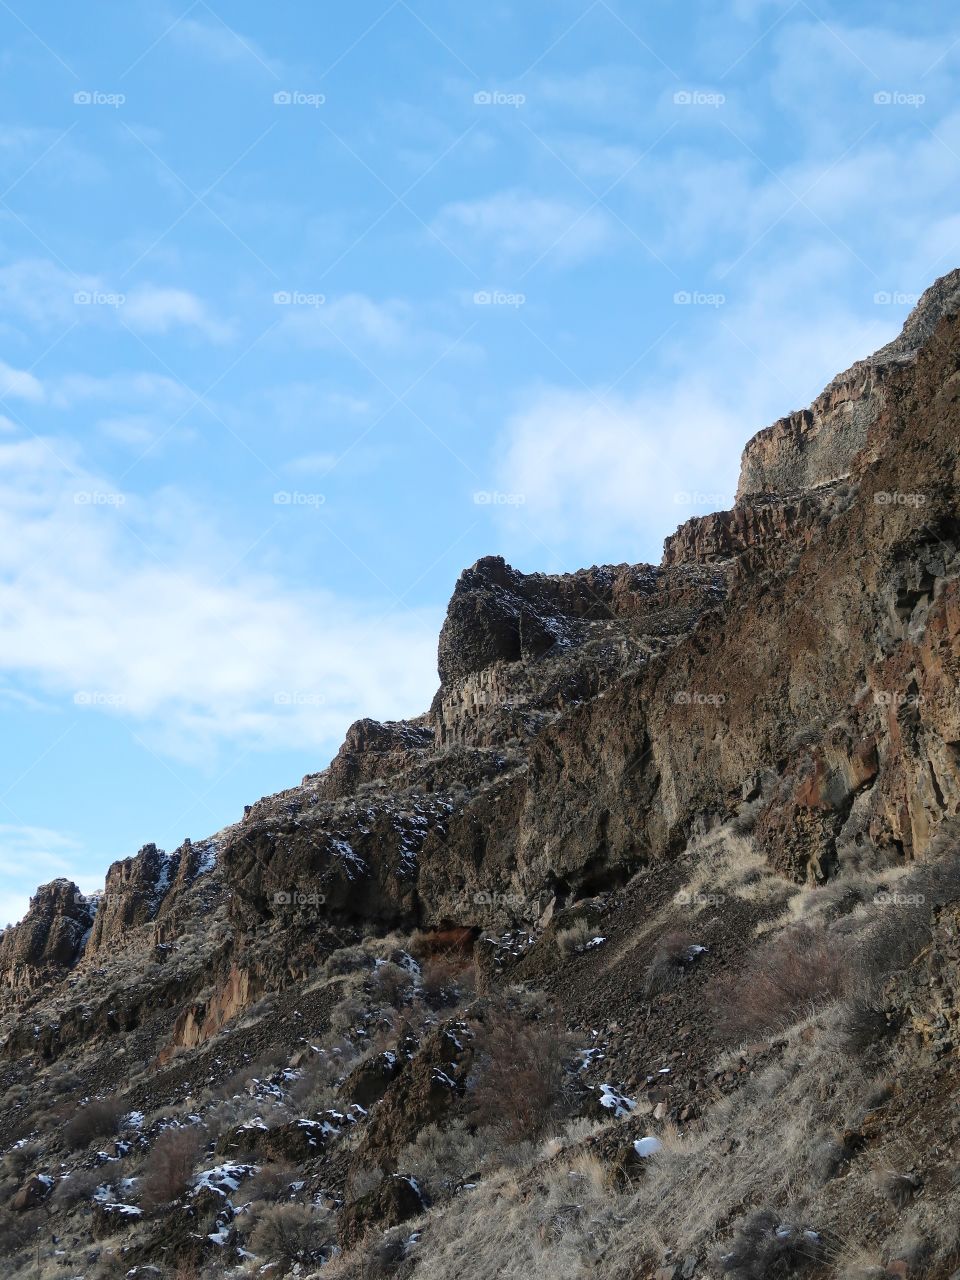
(786, 680)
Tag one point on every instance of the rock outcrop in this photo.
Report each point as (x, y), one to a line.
(783, 688)
(796, 657)
(48, 940)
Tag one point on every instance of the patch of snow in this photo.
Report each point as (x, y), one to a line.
(645, 1147)
(612, 1099)
(123, 1210)
(223, 1177)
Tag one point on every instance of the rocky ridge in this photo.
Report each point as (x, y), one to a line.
(789, 670)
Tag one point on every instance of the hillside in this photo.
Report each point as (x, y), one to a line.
(636, 955)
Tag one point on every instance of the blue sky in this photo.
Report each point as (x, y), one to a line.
(305, 307)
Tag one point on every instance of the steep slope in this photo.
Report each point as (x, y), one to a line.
(631, 781)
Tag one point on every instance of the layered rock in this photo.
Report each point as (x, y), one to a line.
(134, 889)
(818, 445)
(794, 662)
(49, 940)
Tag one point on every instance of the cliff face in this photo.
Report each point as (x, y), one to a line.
(800, 650)
(49, 940)
(784, 687)
(797, 655)
(819, 445)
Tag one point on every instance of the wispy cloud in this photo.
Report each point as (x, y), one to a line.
(110, 606)
(157, 309)
(519, 225)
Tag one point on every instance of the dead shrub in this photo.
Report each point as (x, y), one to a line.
(21, 1158)
(169, 1166)
(76, 1187)
(100, 1118)
(347, 960)
(349, 1017)
(17, 1231)
(573, 939)
(447, 978)
(800, 970)
(768, 1245)
(392, 984)
(671, 956)
(442, 1160)
(521, 1085)
(273, 1182)
(290, 1233)
(861, 1023)
(898, 1188)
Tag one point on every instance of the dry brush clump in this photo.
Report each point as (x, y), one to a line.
(522, 1085)
(672, 956)
(800, 970)
(99, 1118)
(768, 1244)
(286, 1235)
(169, 1166)
(442, 1160)
(574, 938)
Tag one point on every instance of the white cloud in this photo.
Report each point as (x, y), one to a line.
(518, 224)
(70, 390)
(158, 310)
(598, 470)
(220, 43)
(19, 384)
(173, 638)
(31, 855)
(358, 323)
(609, 470)
(43, 292)
(311, 463)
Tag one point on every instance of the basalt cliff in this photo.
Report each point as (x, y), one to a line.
(635, 955)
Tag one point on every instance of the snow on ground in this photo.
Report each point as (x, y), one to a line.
(613, 1100)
